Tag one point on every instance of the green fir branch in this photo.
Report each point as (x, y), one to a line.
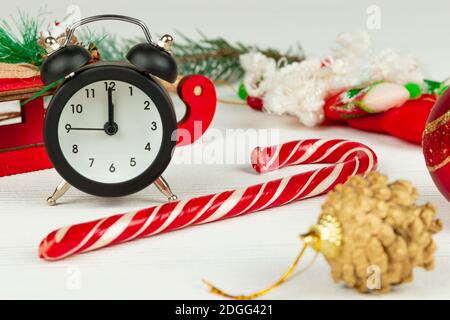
(215, 58)
(218, 59)
(19, 44)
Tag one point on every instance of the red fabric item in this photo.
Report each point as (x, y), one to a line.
(337, 108)
(406, 122)
(331, 113)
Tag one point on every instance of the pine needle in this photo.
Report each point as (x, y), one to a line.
(20, 44)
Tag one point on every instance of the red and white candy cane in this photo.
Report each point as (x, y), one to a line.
(348, 158)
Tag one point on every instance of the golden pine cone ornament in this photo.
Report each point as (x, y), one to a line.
(372, 233)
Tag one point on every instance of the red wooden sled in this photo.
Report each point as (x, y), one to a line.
(21, 144)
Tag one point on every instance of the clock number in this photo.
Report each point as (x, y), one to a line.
(75, 148)
(154, 127)
(131, 90)
(68, 127)
(77, 108)
(92, 162)
(90, 93)
(110, 84)
(133, 162)
(147, 147)
(112, 169)
(146, 105)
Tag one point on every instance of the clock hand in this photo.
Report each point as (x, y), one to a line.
(110, 108)
(88, 129)
(70, 128)
(110, 127)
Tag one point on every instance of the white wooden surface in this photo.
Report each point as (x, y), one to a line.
(242, 254)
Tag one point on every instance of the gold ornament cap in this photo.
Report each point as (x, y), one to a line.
(325, 236)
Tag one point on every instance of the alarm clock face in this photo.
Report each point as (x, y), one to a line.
(109, 130)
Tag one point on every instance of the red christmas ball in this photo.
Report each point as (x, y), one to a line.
(436, 144)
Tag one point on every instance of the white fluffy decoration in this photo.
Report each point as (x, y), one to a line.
(301, 89)
(58, 28)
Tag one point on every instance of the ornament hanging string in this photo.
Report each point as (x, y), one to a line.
(348, 158)
(286, 276)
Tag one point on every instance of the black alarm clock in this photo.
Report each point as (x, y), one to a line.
(110, 128)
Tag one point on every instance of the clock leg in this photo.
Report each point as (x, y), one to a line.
(60, 190)
(163, 186)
